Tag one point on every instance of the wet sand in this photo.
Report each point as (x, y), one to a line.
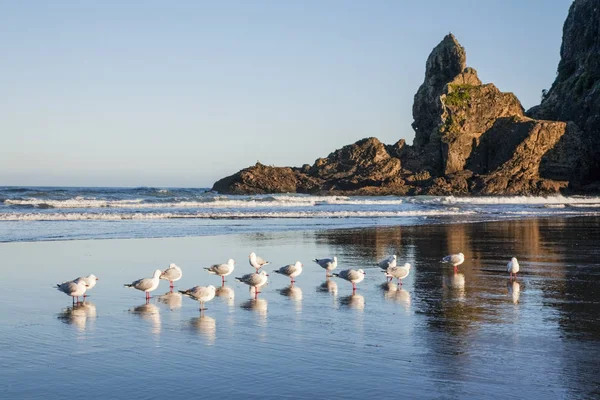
(473, 334)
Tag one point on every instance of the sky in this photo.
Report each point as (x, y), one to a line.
(182, 93)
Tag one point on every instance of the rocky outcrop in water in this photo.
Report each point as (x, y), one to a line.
(470, 137)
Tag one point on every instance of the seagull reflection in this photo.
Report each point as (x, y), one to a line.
(456, 283)
(294, 293)
(252, 290)
(227, 294)
(514, 290)
(393, 292)
(328, 286)
(355, 301)
(78, 315)
(171, 299)
(149, 312)
(206, 326)
(257, 305)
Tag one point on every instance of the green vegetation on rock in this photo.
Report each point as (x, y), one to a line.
(459, 95)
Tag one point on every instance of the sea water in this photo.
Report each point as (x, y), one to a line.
(63, 213)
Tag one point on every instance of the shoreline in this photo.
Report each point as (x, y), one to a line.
(314, 228)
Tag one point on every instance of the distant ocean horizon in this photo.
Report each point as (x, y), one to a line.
(39, 213)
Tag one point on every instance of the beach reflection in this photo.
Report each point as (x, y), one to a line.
(205, 326)
(151, 313)
(79, 315)
(455, 285)
(259, 306)
(227, 294)
(171, 299)
(514, 291)
(354, 301)
(294, 293)
(329, 286)
(394, 293)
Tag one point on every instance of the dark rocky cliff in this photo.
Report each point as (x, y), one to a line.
(470, 138)
(575, 94)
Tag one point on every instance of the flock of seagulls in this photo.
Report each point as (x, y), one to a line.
(256, 280)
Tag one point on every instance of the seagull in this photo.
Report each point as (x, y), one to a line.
(222, 269)
(388, 262)
(398, 272)
(89, 280)
(513, 267)
(291, 270)
(329, 264)
(72, 289)
(257, 262)
(454, 259)
(200, 293)
(352, 276)
(255, 280)
(146, 284)
(171, 274)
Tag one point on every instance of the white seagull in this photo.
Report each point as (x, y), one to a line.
(255, 280)
(329, 264)
(291, 270)
(201, 293)
(257, 262)
(72, 289)
(398, 272)
(388, 262)
(352, 276)
(171, 274)
(513, 267)
(89, 280)
(454, 259)
(146, 284)
(222, 269)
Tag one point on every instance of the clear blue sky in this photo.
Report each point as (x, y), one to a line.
(181, 93)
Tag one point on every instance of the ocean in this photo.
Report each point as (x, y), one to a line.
(69, 213)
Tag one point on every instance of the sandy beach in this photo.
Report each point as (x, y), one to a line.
(473, 334)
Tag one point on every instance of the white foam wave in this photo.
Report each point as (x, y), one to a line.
(298, 201)
(225, 215)
(543, 200)
(591, 205)
(209, 203)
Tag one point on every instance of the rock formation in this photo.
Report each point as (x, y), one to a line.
(470, 138)
(575, 94)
